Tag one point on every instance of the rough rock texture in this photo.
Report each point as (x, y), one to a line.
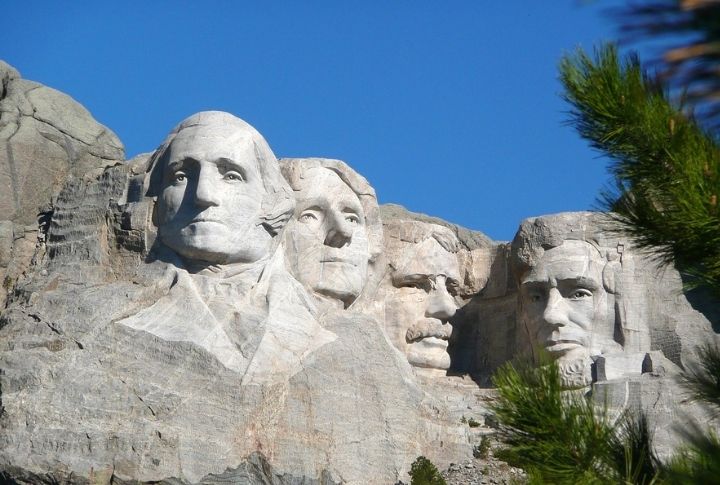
(143, 341)
(91, 393)
(46, 139)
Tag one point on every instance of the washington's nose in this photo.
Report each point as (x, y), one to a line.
(339, 231)
(555, 312)
(206, 193)
(441, 304)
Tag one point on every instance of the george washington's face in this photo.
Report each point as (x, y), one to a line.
(209, 206)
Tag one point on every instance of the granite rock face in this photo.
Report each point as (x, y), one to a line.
(208, 313)
(47, 139)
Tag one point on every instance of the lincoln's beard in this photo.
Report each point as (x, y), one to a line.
(575, 372)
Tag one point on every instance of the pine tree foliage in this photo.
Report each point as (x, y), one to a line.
(560, 437)
(688, 34)
(702, 378)
(666, 168)
(424, 472)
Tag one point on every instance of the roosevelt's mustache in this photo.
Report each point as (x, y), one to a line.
(428, 328)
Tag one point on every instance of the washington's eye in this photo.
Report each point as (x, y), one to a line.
(580, 293)
(233, 176)
(179, 177)
(307, 217)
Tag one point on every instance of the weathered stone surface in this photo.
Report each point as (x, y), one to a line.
(209, 314)
(192, 356)
(46, 138)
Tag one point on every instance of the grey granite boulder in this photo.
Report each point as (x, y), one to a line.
(47, 139)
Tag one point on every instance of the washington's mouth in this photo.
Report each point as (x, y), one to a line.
(337, 260)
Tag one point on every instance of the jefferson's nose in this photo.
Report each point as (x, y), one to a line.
(441, 304)
(556, 312)
(339, 230)
(206, 193)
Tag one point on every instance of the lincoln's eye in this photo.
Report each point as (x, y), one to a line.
(353, 219)
(580, 294)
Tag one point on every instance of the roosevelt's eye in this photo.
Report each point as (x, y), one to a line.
(580, 293)
(233, 176)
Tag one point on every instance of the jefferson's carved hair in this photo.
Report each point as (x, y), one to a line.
(294, 170)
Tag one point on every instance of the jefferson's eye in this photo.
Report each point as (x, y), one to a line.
(581, 293)
(233, 176)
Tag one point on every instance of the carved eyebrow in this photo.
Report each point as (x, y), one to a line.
(183, 162)
(583, 281)
(227, 164)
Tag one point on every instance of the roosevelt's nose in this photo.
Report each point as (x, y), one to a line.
(555, 312)
(206, 193)
(441, 304)
(339, 230)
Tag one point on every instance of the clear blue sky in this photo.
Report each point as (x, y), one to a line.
(450, 108)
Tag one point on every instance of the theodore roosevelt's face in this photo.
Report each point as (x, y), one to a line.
(563, 302)
(420, 303)
(209, 206)
(327, 242)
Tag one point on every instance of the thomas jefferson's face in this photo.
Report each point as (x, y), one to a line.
(209, 206)
(564, 304)
(421, 301)
(328, 242)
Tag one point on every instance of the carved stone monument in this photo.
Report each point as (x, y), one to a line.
(420, 291)
(208, 314)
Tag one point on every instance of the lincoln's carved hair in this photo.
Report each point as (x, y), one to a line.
(278, 203)
(539, 234)
(294, 170)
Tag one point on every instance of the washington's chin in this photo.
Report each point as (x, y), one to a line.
(429, 353)
(212, 247)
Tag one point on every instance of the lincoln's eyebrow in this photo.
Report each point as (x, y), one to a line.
(584, 281)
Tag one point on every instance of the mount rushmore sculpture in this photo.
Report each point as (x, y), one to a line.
(208, 313)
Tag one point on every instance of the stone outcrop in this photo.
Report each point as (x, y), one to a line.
(47, 138)
(210, 314)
